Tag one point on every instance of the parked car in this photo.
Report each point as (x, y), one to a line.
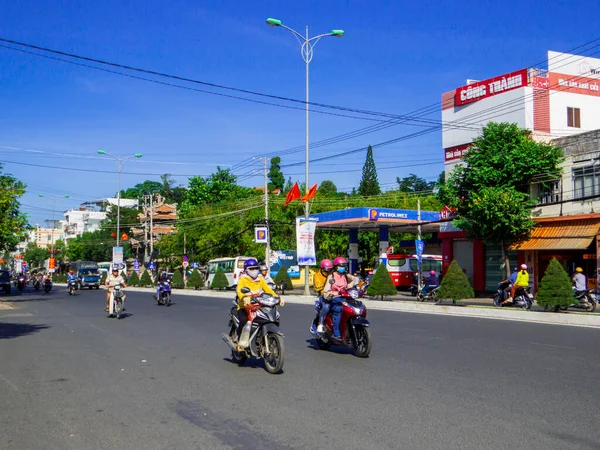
(5, 281)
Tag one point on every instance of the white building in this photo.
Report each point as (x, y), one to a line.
(46, 237)
(560, 101)
(79, 221)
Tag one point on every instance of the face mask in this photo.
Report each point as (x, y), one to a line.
(341, 270)
(253, 273)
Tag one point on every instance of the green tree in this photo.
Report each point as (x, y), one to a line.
(220, 280)
(13, 223)
(327, 189)
(34, 255)
(178, 279)
(283, 277)
(368, 184)
(556, 289)
(276, 178)
(134, 279)
(103, 278)
(455, 285)
(145, 279)
(413, 183)
(219, 187)
(490, 189)
(381, 283)
(147, 187)
(195, 280)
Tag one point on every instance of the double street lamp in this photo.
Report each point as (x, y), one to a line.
(119, 169)
(306, 50)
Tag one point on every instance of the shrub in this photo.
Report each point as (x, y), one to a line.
(455, 285)
(134, 279)
(195, 280)
(177, 280)
(283, 277)
(555, 288)
(145, 279)
(103, 278)
(381, 283)
(220, 280)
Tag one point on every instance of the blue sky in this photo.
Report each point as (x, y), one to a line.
(396, 57)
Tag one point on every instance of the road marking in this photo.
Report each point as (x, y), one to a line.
(554, 346)
(10, 383)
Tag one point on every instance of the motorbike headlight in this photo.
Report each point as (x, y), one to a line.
(353, 293)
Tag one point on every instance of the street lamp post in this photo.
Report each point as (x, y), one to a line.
(119, 169)
(306, 50)
(53, 198)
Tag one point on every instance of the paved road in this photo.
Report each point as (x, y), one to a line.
(160, 379)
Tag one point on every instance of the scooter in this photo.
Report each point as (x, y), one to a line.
(354, 326)
(47, 285)
(523, 299)
(501, 294)
(164, 293)
(72, 287)
(431, 295)
(117, 302)
(260, 337)
(21, 282)
(37, 284)
(585, 300)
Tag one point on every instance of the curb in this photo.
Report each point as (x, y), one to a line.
(481, 312)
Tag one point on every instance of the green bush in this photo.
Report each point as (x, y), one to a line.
(381, 283)
(195, 280)
(177, 280)
(455, 285)
(145, 279)
(220, 280)
(283, 277)
(103, 278)
(555, 288)
(134, 279)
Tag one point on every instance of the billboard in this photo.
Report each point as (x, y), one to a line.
(576, 65)
(490, 87)
(287, 259)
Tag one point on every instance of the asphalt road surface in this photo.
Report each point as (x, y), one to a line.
(160, 378)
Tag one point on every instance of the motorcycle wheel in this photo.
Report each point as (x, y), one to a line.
(236, 357)
(274, 360)
(323, 345)
(526, 305)
(497, 301)
(363, 342)
(118, 308)
(420, 297)
(591, 307)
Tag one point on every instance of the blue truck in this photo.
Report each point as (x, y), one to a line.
(88, 274)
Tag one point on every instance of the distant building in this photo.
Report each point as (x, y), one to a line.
(156, 220)
(82, 220)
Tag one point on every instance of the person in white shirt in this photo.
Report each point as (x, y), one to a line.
(111, 280)
(579, 281)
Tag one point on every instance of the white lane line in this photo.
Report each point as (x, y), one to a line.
(554, 346)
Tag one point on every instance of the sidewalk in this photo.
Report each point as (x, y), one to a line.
(470, 308)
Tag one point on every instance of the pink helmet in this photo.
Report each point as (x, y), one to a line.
(326, 265)
(339, 261)
(432, 272)
(523, 266)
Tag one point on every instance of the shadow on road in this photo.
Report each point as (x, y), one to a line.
(339, 349)
(14, 330)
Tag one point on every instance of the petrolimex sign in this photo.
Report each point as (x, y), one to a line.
(488, 88)
(376, 214)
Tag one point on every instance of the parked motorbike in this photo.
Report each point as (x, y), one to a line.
(72, 287)
(523, 299)
(585, 300)
(431, 295)
(47, 285)
(116, 303)
(354, 326)
(501, 293)
(262, 335)
(21, 282)
(164, 293)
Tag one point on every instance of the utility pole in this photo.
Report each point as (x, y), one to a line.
(184, 254)
(419, 232)
(266, 201)
(151, 227)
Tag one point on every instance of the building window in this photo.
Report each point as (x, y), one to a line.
(586, 181)
(549, 193)
(573, 117)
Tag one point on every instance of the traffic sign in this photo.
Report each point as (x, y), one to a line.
(186, 262)
(136, 266)
(151, 266)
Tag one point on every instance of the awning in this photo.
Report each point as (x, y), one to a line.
(561, 235)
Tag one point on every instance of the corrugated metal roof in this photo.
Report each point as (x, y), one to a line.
(575, 234)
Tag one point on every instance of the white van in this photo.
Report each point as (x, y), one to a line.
(233, 268)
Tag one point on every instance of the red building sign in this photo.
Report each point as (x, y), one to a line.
(488, 88)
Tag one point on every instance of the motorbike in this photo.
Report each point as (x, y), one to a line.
(501, 293)
(21, 282)
(47, 285)
(523, 299)
(72, 287)
(354, 326)
(264, 338)
(164, 293)
(116, 303)
(37, 284)
(585, 300)
(431, 295)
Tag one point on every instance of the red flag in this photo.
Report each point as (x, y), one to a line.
(294, 194)
(310, 194)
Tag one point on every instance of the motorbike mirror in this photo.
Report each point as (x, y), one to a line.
(245, 291)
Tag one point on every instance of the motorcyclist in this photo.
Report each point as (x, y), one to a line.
(522, 281)
(164, 276)
(71, 277)
(257, 284)
(264, 272)
(113, 279)
(430, 283)
(511, 281)
(319, 282)
(579, 281)
(339, 279)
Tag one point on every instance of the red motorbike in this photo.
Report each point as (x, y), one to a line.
(354, 326)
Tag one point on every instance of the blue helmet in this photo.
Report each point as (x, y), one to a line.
(251, 262)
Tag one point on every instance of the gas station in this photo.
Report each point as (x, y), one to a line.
(382, 220)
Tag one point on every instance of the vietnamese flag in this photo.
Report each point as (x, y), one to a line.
(294, 194)
(310, 194)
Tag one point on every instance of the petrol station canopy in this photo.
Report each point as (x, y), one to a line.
(371, 219)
